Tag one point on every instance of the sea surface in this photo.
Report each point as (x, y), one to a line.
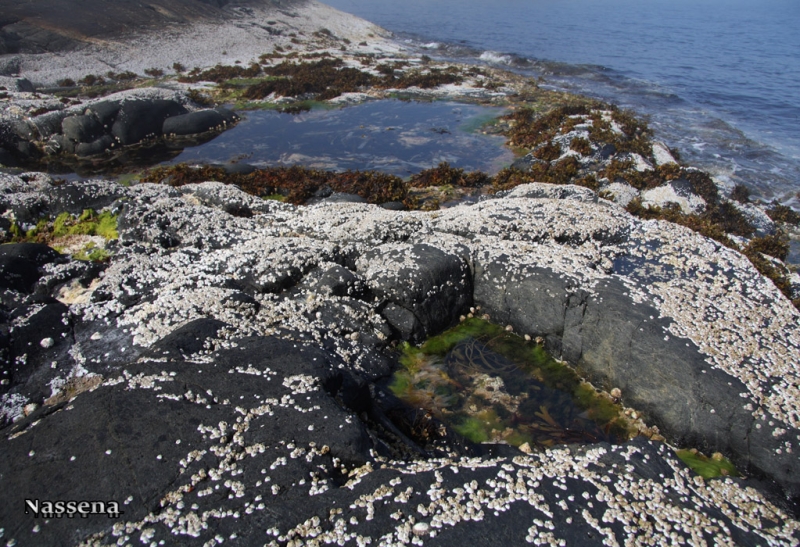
(718, 79)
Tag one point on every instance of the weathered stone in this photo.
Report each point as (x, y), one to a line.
(192, 123)
(20, 263)
(140, 119)
(76, 196)
(435, 286)
(105, 112)
(48, 124)
(96, 147)
(81, 128)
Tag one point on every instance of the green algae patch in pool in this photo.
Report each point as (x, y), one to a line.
(708, 468)
(490, 385)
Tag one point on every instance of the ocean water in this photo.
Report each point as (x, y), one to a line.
(718, 79)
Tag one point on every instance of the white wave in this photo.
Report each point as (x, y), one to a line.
(496, 58)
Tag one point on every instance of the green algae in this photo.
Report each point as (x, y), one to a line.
(92, 253)
(88, 223)
(491, 385)
(60, 233)
(708, 468)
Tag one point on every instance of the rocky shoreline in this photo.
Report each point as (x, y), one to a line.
(218, 367)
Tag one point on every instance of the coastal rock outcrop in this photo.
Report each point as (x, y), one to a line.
(261, 328)
(99, 127)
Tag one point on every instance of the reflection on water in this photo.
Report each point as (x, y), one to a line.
(397, 137)
(493, 386)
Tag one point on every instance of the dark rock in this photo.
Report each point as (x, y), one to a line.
(343, 314)
(524, 163)
(60, 144)
(323, 191)
(81, 128)
(404, 322)
(7, 158)
(105, 112)
(193, 123)
(20, 263)
(335, 281)
(76, 196)
(23, 128)
(621, 343)
(25, 86)
(15, 146)
(82, 271)
(140, 119)
(27, 150)
(40, 335)
(10, 66)
(436, 287)
(96, 147)
(48, 124)
(606, 151)
(119, 432)
(188, 339)
(228, 116)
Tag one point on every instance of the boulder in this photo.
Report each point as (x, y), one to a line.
(81, 129)
(193, 123)
(342, 197)
(105, 112)
(20, 263)
(140, 119)
(20, 85)
(435, 286)
(48, 124)
(228, 116)
(74, 197)
(96, 147)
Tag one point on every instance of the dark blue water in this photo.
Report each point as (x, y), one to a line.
(719, 79)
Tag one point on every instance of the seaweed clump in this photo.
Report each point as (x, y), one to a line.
(446, 175)
(296, 184)
(329, 78)
(782, 213)
(563, 171)
(326, 79)
(220, 73)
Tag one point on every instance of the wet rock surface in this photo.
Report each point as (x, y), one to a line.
(220, 378)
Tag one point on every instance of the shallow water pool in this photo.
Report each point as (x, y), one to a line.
(392, 136)
(492, 386)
